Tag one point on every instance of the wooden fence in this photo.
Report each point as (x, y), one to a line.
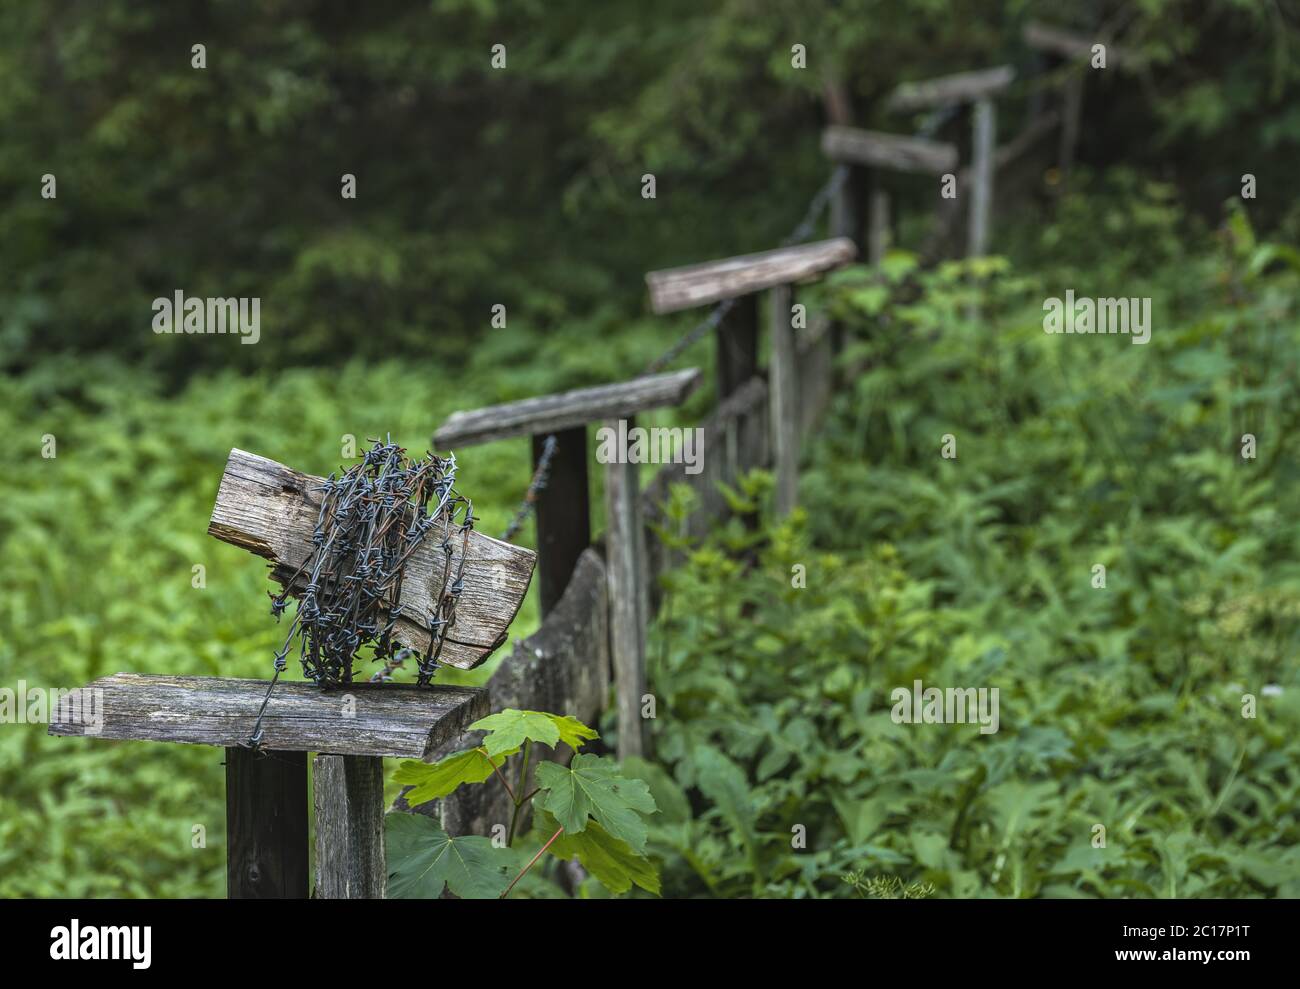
(761, 417)
(565, 666)
(596, 598)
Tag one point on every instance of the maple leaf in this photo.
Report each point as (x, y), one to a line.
(592, 787)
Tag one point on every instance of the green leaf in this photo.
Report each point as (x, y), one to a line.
(592, 787)
(573, 732)
(509, 729)
(609, 859)
(439, 779)
(422, 859)
(668, 795)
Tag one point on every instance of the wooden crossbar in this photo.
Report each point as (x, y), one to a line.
(961, 87)
(362, 719)
(550, 413)
(1069, 45)
(271, 510)
(701, 284)
(896, 152)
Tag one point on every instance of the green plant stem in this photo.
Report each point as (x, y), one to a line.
(533, 861)
(519, 787)
(497, 769)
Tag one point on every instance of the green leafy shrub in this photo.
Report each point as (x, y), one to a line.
(779, 768)
(588, 809)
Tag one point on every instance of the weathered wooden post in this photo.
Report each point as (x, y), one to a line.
(961, 89)
(849, 197)
(563, 513)
(674, 289)
(266, 824)
(616, 406)
(628, 600)
(737, 346)
(785, 400)
(893, 152)
(272, 511)
(981, 201)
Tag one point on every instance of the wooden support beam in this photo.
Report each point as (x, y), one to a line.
(266, 824)
(849, 197)
(951, 90)
(1070, 45)
(737, 341)
(625, 570)
(784, 400)
(984, 136)
(272, 510)
(538, 416)
(348, 791)
(563, 512)
(701, 284)
(737, 346)
(877, 149)
(846, 209)
(389, 719)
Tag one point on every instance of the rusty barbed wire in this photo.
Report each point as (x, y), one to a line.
(372, 519)
(537, 485)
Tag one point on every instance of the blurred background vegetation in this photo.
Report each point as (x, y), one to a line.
(522, 187)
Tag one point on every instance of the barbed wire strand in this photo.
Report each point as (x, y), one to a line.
(538, 484)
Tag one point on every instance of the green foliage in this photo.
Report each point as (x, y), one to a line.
(587, 810)
(1121, 706)
(478, 186)
(592, 787)
(99, 546)
(886, 887)
(424, 859)
(432, 782)
(509, 729)
(612, 861)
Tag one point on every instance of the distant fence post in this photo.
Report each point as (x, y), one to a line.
(984, 132)
(1075, 50)
(880, 152)
(1071, 116)
(737, 346)
(737, 362)
(741, 278)
(784, 393)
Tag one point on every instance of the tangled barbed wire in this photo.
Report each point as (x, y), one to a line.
(372, 519)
